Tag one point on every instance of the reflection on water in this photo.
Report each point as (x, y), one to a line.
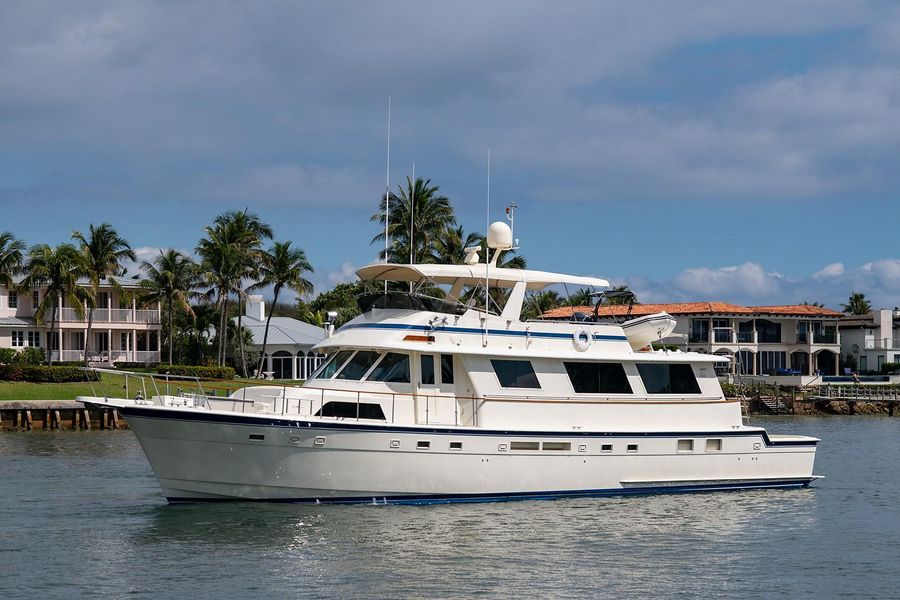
(86, 504)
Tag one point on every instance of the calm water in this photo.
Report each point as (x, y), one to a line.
(81, 516)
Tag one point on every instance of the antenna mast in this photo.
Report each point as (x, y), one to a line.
(487, 249)
(387, 192)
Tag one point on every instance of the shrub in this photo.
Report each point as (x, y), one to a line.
(44, 374)
(31, 356)
(194, 371)
(890, 367)
(136, 365)
(7, 356)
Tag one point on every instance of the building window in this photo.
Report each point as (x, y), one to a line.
(35, 299)
(598, 378)
(768, 332)
(34, 339)
(13, 299)
(125, 341)
(770, 362)
(515, 374)
(18, 338)
(77, 340)
(663, 378)
(699, 331)
(745, 362)
(722, 331)
(745, 332)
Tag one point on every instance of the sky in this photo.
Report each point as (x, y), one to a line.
(733, 151)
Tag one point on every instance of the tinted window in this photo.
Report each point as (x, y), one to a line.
(393, 368)
(515, 374)
(598, 378)
(330, 368)
(347, 410)
(668, 378)
(446, 368)
(358, 365)
(427, 363)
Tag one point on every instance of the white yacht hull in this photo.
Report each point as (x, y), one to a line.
(200, 455)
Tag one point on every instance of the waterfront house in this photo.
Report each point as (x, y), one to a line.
(872, 339)
(785, 340)
(123, 330)
(289, 352)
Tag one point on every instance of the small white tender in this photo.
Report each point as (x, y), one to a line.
(439, 392)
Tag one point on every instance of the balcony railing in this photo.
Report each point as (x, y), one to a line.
(825, 337)
(110, 315)
(114, 356)
(882, 344)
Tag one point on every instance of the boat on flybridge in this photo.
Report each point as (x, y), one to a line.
(440, 392)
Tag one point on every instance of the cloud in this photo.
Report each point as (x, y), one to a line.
(751, 284)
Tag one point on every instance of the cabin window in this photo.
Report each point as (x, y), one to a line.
(347, 410)
(427, 368)
(558, 446)
(358, 366)
(606, 448)
(598, 378)
(666, 378)
(515, 374)
(685, 445)
(446, 368)
(714, 445)
(393, 368)
(423, 445)
(456, 445)
(524, 445)
(330, 367)
(631, 448)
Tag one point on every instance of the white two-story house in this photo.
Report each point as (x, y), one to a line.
(762, 340)
(122, 330)
(872, 339)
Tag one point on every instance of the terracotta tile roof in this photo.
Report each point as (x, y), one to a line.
(802, 310)
(693, 308)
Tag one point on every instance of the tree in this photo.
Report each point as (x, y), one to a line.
(58, 270)
(340, 299)
(450, 247)
(814, 304)
(432, 215)
(857, 304)
(282, 267)
(537, 303)
(103, 250)
(12, 256)
(170, 279)
(229, 253)
(582, 297)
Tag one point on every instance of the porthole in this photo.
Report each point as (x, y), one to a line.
(606, 448)
(456, 445)
(685, 445)
(631, 448)
(423, 445)
(714, 445)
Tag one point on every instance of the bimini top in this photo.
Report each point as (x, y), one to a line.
(473, 275)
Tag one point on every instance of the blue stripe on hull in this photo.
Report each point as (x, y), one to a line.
(259, 421)
(509, 496)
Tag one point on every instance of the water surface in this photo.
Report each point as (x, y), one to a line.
(82, 516)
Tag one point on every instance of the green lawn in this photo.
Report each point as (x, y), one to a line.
(114, 386)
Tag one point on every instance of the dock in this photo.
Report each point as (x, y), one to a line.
(57, 415)
(884, 395)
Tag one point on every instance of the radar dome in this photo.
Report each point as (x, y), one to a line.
(499, 236)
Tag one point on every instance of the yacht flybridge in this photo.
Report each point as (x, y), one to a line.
(439, 391)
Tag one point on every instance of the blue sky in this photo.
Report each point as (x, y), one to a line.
(733, 151)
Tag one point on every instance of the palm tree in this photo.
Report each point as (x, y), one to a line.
(813, 304)
(537, 303)
(11, 258)
(58, 270)
(582, 297)
(857, 304)
(450, 247)
(171, 277)
(229, 253)
(431, 215)
(282, 267)
(103, 250)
